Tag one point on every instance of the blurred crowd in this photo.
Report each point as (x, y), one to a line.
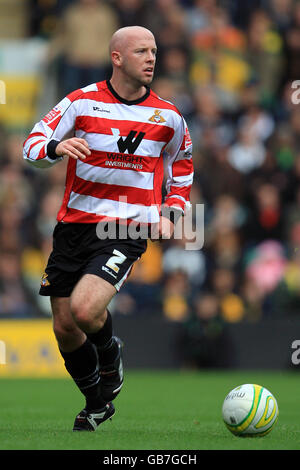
(231, 67)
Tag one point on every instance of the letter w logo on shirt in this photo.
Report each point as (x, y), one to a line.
(130, 143)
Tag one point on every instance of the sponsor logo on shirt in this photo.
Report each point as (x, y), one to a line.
(124, 161)
(52, 115)
(187, 138)
(130, 143)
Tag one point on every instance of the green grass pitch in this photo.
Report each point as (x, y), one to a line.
(163, 410)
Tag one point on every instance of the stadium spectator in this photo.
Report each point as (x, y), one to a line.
(266, 266)
(142, 292)
(224, 283)
(265, 55)
(173, 91)
(225, 250)
(43, 18)
(191, 262)
(280, 12)
(248, 152)
(254, 300)
(210, 126)
(203, 340)
(167, 21)
(198, 17)
(84, 56)
(132, 12)
(14, 300)
(219, 56)
(227, 215)
(176, 295)
(285, 298)
(291, 38)
(266, 216)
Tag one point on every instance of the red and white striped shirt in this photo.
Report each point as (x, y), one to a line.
(129, 141)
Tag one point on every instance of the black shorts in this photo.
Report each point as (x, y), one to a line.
(77, 251)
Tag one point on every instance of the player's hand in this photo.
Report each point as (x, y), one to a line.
(75, 148)
(163, 230)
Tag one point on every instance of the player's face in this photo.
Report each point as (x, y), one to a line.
(139, 60)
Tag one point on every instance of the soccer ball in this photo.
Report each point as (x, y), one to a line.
(250, 410)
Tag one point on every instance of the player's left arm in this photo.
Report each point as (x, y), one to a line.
(180, 174)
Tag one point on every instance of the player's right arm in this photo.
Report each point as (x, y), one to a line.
(53, 137)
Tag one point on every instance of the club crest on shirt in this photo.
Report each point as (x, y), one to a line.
(157, 117)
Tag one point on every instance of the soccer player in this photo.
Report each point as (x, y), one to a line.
(117, 134)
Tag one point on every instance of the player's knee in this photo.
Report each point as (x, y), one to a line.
(87, 317)
(64, 331)
(83, 320)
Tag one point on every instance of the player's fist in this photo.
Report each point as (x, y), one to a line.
(166, 229)
(75, 148)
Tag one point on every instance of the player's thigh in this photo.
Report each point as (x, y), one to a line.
(90, 298)
(102, 278)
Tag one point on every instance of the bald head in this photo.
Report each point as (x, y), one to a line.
(128, 35)
(133, 56)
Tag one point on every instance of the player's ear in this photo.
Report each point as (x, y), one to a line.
(116, 58)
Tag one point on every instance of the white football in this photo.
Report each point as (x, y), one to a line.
(250, 410)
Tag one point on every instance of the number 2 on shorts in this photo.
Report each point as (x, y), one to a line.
(113, 261)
